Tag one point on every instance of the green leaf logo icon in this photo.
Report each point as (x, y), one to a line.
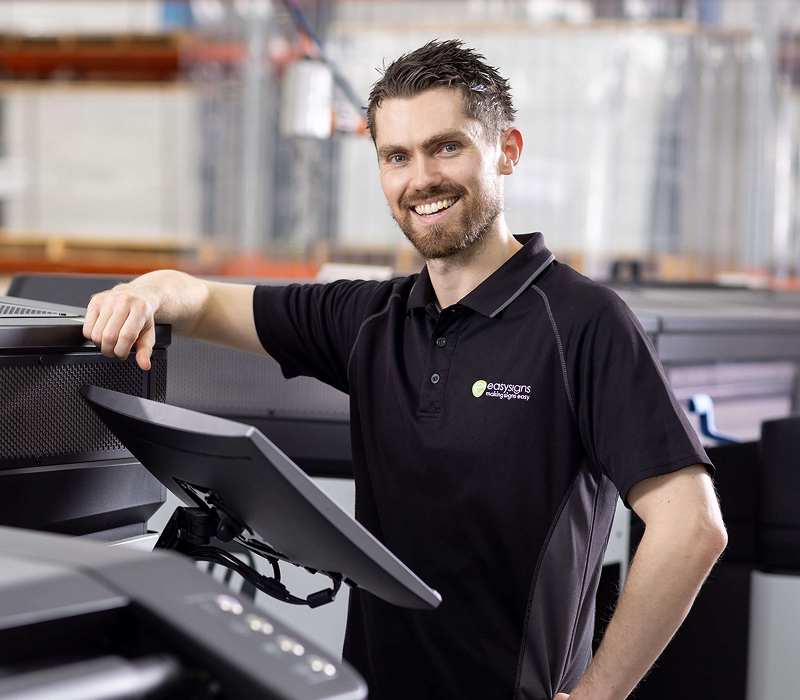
(478, 388)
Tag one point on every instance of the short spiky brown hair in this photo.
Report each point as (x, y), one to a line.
(447, 64)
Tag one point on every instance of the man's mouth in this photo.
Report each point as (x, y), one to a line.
(435, 207)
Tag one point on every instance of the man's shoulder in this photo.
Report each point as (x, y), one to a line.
(372, 293)
(354, 300)
(577, 299)
(369, 291)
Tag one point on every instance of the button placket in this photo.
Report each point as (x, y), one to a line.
(439, 357)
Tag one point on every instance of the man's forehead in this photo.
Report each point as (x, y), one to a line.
(429, 112)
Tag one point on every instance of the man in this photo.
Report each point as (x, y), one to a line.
(499, 401)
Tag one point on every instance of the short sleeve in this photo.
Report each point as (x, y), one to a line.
(629, 419)
(310, 329)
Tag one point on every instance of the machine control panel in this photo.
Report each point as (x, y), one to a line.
(67, 601)
(268, 636)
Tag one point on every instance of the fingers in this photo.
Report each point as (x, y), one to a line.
(92, 313)
(144, 348)
(116, 321)
(101, 330)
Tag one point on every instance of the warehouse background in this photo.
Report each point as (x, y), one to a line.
(661, 135)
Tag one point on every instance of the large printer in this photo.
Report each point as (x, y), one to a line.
(308, 420)
(82, 620)
(61, 469)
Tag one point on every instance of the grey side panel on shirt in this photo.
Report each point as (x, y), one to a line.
(560, 624)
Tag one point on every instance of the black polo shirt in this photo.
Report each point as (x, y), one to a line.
(489, 440)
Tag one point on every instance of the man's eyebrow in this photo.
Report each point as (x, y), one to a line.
(388, 149)
(450, 135)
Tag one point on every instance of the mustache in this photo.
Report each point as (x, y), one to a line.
(439, 192)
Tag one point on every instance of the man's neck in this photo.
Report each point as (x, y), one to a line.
(456, 276)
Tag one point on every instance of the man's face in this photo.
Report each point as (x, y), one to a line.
(439, 173)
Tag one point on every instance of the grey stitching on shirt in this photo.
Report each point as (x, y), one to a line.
(364, 323)
(560, 350)
(528, 282)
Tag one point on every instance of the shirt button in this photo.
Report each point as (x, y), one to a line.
(441, 342)
(435, 378)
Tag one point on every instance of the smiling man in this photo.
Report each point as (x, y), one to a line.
(499, 403)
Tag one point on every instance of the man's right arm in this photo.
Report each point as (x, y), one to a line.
(125, 316)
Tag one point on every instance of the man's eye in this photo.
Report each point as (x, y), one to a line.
(450, 148)
(396, 159)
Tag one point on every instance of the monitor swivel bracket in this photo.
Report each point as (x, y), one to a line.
(191, 530)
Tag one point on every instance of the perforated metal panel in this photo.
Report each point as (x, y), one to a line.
(208, 378)
(159, 367)
(43, 416)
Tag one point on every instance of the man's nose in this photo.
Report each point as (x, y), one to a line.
(425, 174)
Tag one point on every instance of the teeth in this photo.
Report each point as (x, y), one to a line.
(436, 206)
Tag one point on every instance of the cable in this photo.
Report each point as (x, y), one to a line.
(265, 551)
(266, 584)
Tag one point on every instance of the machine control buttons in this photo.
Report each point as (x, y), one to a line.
(290, 646)
(259, 624)
(321, 666)
(312, 667)
(229, 604)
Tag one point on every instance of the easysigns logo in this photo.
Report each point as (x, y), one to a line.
(499, 390)
(478, 388)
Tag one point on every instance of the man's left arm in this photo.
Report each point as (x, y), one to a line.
(684, 536)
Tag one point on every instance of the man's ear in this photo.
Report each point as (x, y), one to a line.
(510, 150)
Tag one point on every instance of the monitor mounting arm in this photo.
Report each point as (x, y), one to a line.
(190, 531)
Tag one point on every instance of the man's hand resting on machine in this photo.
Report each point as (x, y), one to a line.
(217, 312)
(120, 319)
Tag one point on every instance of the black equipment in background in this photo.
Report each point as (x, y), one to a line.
(779, 513)
(250, 490)
(83, 620)
(758, 485)
(61, 469)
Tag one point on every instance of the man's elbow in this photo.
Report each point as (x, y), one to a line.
(697, 537)
(709, 538)
(716, 539)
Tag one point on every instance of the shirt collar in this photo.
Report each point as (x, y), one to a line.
(501, 288)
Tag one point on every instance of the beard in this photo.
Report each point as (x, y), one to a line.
(436, 241)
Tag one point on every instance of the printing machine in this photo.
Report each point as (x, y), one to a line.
(84, 621)
(61, 469)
